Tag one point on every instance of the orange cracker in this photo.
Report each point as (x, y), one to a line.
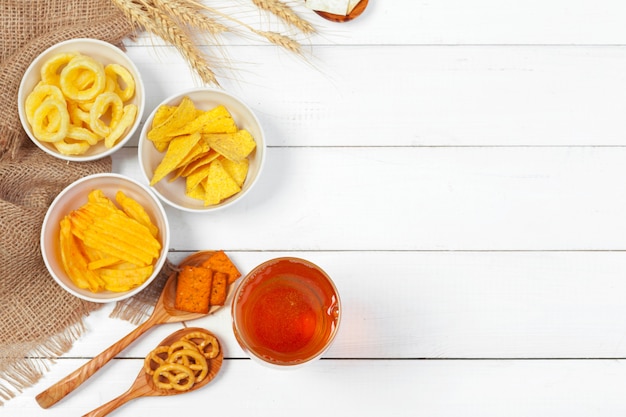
(220, 262)
(193, 289)
(219, 286)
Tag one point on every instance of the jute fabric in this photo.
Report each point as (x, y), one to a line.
(39, 320)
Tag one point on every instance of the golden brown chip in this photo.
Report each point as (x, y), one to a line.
(74, 262)
(119, 280)
(135, 211)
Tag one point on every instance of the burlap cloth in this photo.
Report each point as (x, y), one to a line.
(39, 320)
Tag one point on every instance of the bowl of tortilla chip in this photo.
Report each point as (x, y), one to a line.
(201, 150)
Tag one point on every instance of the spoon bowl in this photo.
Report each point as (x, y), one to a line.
(144, 385)
(164, 312)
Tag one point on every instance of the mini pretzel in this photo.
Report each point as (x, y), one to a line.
(209, 346)
(177, 377)
(191, 359)
(156, 357)
(180, 345)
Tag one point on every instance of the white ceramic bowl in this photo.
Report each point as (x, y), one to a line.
(173, 193)
(74, 196)
(101, 51)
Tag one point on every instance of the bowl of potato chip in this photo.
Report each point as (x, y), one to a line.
(201, 150)
(81, 99)
(105, 237)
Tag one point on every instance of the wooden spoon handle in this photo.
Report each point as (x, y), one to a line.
(68, 384)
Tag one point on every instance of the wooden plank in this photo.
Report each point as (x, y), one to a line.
(369, 388)
(456, 22)
(420, 199)
(440, 305)
(419, 95)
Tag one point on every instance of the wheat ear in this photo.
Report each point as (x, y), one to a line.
(190, 15)
(145, 15)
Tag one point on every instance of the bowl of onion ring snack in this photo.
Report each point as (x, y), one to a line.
(81, 99)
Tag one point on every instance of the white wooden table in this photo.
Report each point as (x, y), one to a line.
(458, 167)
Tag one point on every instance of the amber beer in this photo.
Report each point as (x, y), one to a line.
(286, 312)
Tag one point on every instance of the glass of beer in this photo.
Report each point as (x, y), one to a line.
(286, 312)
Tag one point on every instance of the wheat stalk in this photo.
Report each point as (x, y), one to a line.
(191, 15)
(146, 16)
(285, 13)
(280, 40)
(172, 21)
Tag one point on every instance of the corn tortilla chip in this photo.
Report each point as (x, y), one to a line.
(215, 120)
(185, 112)
(218, 185)
(237, 170)
(177, 150)
(234, 146)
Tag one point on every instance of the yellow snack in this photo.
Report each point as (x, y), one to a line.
(36, 97)
(185, 112)
(69, 77)
(51, 69)
(119, 280)
(234, 146)
(178, 148)
(136, 211)
(71, 148)
(118, 129)
(218, 185)
(126, 89)
(51, 121)
(74, 261)
(103, 104)
(215, 120)
(237, 170)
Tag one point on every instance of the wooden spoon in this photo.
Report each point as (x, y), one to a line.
(164, 312)
(144, 385)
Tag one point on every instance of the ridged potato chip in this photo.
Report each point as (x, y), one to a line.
(105, 248)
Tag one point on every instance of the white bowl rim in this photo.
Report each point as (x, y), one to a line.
(82, 158)
(160, 261)
(179, 95)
